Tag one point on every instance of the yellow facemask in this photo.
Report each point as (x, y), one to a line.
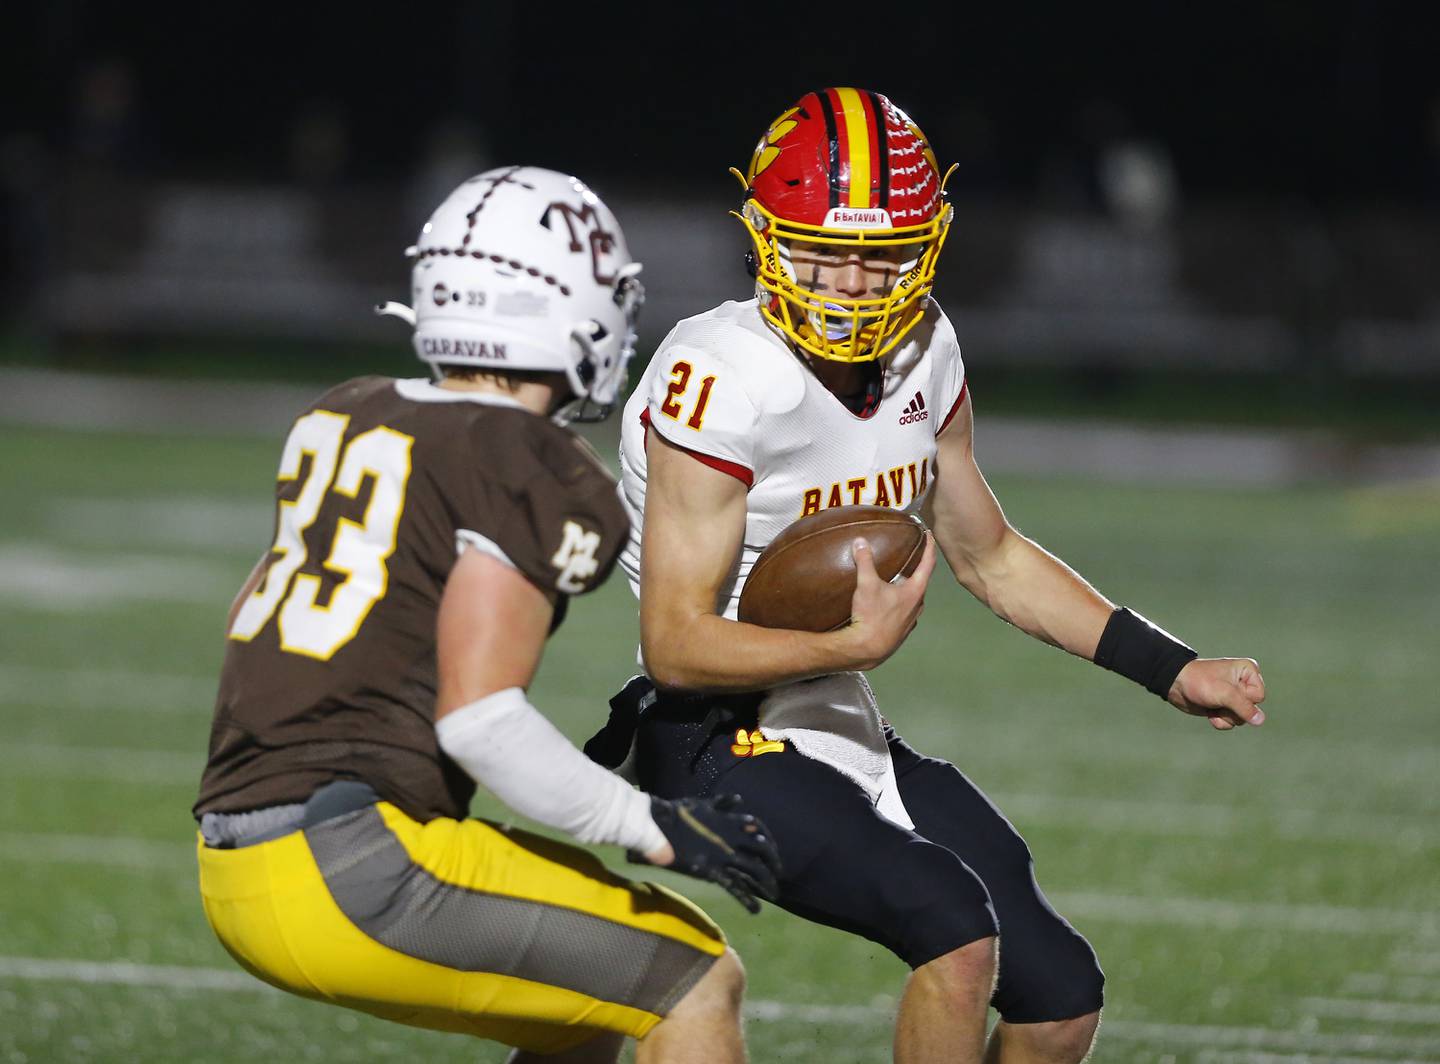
(824, 324)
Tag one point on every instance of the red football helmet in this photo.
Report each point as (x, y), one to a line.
(847, 170)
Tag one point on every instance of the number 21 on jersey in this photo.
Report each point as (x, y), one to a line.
(358, 551)
(679, 382)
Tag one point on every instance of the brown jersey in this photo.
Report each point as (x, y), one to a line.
(330, 664)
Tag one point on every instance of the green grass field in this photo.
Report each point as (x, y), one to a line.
(1267, 896)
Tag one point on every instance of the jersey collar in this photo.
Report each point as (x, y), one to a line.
(420, 390)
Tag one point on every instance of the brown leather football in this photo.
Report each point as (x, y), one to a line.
(805, 578)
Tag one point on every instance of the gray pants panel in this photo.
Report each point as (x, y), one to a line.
(405, 907)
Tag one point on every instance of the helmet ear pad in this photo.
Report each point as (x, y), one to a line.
(752, 264)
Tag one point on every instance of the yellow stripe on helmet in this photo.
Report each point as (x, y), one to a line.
(857, 141)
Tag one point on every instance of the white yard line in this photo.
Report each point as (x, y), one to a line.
(1222, 915)
(105, 689)
(1384, 984)
(123, 973)
(1252, 1056)
(107, 850)
(114, 764)
(1424, 962)
(40, 576)
(195, 522)
(1216, 1037)
(1219, 821)
(762, 1011)
(1154, 755)
(1376, 1011)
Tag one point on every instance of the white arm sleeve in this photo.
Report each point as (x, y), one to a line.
(508, 746)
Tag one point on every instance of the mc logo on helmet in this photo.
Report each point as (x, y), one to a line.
(584, 221)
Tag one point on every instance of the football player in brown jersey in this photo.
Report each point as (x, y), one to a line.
(428, 535)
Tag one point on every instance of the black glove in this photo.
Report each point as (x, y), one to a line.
(610, 746)
(714, 839)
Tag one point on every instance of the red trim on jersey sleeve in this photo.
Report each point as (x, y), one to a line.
(964, 389)
(734, 469)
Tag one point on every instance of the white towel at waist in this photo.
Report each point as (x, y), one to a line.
(834, 720)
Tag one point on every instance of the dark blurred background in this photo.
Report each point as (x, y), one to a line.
(1149, 195)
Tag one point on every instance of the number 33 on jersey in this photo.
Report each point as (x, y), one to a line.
(384, 482)
(358, 550)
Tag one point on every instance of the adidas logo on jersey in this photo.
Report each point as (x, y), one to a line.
(915, 411)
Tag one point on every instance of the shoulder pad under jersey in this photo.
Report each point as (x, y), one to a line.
(556, 516)
(714, 379)
(947, 371)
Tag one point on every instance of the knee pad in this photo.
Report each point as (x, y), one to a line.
(1059, 980)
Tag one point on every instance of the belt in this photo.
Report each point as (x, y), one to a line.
(611, 745)
(230, 831)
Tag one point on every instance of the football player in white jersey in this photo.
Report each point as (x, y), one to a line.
(842, 383)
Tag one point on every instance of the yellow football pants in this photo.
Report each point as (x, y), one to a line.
(457, 926)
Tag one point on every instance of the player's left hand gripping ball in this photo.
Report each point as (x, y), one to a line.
(713, 838)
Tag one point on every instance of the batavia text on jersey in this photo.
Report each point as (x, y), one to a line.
(885, 489)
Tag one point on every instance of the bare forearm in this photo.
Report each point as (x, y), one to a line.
(1038, 593)
(710, 653)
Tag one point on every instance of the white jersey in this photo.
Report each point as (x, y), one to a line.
(726, 388)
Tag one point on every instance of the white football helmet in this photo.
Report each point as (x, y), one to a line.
(526, 269)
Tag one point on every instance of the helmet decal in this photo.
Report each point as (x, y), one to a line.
(766, 152)
(495, 178)
(599, 242)
(914, 171)
(481, 255)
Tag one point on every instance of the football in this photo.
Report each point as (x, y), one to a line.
(805, 578)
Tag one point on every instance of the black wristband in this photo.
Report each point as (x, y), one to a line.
(1140, 651)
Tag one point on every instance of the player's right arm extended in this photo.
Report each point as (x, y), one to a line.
(491, 631)
(694, 527)
(490, 634)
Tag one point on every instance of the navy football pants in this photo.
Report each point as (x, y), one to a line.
(921, 894)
